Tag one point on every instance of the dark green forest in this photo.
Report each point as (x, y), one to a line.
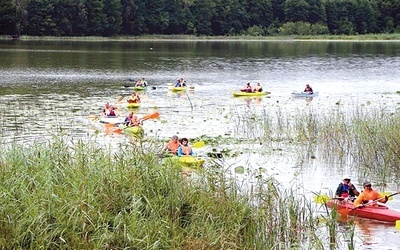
(198, 17)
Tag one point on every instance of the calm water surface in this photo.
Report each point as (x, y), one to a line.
(50, 87)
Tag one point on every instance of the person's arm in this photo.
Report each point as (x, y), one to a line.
(191, 151)
(353, 190)
(382, 198)
(180, 151)
(359, 200)
(339, 190)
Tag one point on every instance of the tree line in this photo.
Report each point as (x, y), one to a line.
(198, 17)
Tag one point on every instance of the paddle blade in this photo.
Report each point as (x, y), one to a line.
(119, 100)
(321, 199)
(151, 116)
(198, 144)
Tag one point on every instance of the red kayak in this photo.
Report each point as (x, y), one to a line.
(381, 213)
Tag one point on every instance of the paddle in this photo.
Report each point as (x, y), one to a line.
(322, 199)
(155, 115)
(119, 100)
(198, 144)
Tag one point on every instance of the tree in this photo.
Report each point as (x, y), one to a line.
(40, 22)
(8, 17)
(296, 11)
(112, 10)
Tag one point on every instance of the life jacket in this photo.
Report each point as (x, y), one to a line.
(111, 112)
(345, 189)
(173, 146)
(186, 150)
(135, 122)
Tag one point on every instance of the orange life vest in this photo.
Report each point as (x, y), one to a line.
(186, 150)
(173, 146)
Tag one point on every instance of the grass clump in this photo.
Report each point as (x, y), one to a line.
(83, 196)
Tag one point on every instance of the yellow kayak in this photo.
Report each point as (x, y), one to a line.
(186, 162)
(133, 105)
(176, 89)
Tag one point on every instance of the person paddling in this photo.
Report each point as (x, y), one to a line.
(172, 146)
(258, 88)
(369, 195)
(346, 189)
(185, 149)
(308, 89)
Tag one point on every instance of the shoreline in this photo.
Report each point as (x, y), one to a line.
(332, 38)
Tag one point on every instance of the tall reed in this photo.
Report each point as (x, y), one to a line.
(62, 194)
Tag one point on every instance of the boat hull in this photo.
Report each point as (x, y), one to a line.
(113, 120)
(304, 94)
(236, 94)
(133, 105)
(178, 89)
(137, 88)
(380, 213)
(186, 162)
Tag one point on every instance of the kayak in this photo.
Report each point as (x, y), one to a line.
(186, 162)
(304, 94)
(176, 89)
(112, 119)
(263, 93)
(136, 130)
(138, 88)
(380, 213)
(133, 105)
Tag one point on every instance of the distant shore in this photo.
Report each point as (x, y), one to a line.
(369, 37)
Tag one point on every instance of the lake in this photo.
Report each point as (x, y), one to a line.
(51, 87)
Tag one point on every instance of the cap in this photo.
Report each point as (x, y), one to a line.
(346, 177)
(366, 183)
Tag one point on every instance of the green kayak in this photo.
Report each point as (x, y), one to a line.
(139, 88)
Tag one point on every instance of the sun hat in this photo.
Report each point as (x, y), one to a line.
(366, 183)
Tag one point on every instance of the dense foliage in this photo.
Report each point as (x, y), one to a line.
(198, 17)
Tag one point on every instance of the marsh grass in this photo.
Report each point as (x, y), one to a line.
(80, 195)
(365, 138)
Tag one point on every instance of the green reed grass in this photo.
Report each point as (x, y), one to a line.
(81, 195)
(363, 137)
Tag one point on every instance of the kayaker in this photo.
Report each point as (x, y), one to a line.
(248, 88)
(308, 89)
(369, 195)
(111, 112)
(258, 88)
(346, 189)
(134, 98)
(106, 109)
(139, 83)
(184, 148)
(172, 146)
(135, 122)
(128, 119)
(180, 83)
